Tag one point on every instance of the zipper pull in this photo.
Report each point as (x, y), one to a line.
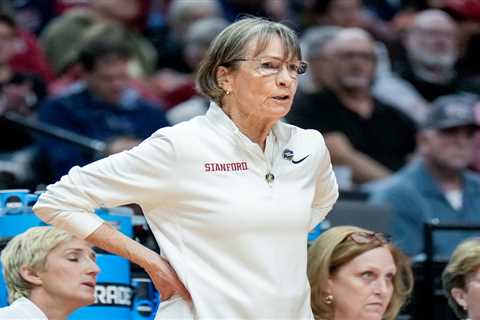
(269, 177)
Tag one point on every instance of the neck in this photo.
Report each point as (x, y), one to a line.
(356, 100)
(449, 179)
(255, 129)
(50, 306)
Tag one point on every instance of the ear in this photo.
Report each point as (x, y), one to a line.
(328, 288)
(224, 78)
(30, 275)
(460, 297)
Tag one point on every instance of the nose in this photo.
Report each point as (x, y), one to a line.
(284, 79)
(92, 268)
(381, 287)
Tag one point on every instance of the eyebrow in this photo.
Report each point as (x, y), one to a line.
(276, 58)
(374, 267)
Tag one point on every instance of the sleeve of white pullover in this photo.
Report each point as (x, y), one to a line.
(326, 187)
(141, 175)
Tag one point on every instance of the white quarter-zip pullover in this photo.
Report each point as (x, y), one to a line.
(231, 219)
(22, 309)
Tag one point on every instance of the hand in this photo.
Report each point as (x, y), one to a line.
(166, 280)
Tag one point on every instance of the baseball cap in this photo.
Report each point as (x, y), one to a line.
(453, 111)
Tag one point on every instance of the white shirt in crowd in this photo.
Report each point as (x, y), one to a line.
(236, 237)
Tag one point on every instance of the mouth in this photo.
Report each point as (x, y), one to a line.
(376, 305)
(90, 284)
(281, 97)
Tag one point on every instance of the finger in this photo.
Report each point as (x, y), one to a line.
(165, 296)
(183, 292)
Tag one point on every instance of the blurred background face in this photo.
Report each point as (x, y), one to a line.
(451, 149)
(122, 10)
(109, 79)
(7, 42)
(433, 41)
(362, 288)
(353, 61)
(70, 273)
(344, 13)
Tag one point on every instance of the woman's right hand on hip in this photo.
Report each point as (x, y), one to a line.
(166, 280)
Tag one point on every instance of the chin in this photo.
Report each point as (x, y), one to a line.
(281, 110)
(83, 299)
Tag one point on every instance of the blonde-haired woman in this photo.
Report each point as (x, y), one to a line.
(49, 274)
(461, 280)
(357, 274)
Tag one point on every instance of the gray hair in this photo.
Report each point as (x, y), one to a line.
(432, 16)
(315, 38)
(204, 30)
(347, 34)
(232, 43)
(182, 13)
(29, 249)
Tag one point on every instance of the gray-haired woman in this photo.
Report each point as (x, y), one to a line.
(230, 196)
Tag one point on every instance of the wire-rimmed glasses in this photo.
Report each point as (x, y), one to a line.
(272, 66)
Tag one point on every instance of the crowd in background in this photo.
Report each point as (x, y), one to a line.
(411, 56)
(393, 86)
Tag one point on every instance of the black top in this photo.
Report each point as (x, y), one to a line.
(388, 136)
(428, 90)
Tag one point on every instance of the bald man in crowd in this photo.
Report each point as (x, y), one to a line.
(432, 52)
(369, 137)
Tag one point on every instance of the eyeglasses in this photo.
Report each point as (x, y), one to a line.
(368, 237)
(271, 66)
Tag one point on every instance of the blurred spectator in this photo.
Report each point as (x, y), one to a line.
(350, 14)
(49, 274)
(181, 15)
(437, 187)
(32, 15)
(432, 51)
(197, 42)
(76, 73)
(173, 83)
(387, 87)
(461, 280)
(61, 38)
(319, 69)
(27, 56)
(104, 108)
(19, 93)
(370, 138)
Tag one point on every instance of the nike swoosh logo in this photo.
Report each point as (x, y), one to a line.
(298, 161)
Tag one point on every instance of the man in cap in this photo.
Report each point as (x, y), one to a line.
(437, 187)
